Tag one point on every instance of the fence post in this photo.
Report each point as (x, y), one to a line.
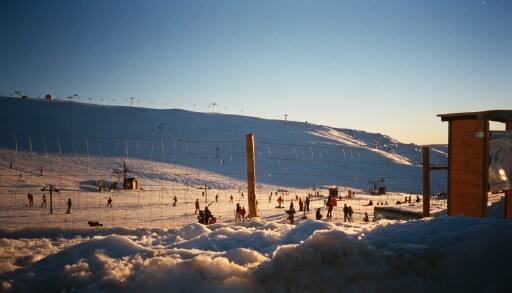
(426, 182)
(508, 193)
(251, 175)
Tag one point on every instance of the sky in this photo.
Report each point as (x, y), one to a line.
(381, 66)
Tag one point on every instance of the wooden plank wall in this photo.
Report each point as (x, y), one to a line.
(467, 175)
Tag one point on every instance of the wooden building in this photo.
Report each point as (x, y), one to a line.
(468, 161)
(130, 183)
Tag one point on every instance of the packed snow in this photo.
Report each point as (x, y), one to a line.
(146, 243)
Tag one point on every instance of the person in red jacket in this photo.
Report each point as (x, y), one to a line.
(329, 209)
(242, 214)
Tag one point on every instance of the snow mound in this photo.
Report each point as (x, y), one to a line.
(113, 246)
(192, 231)
(245, 257)
(305, 230)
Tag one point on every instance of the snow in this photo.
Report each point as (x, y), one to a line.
(437, 254)
(147, 244)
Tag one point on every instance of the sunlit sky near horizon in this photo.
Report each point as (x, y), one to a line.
(380, 66)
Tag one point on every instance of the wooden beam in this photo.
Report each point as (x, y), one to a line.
(251, 175)
(426, 182)
(438, 168)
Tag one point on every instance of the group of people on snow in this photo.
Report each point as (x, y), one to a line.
(205, 217)
(240, 213)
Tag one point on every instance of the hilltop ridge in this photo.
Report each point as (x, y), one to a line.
(183, 137)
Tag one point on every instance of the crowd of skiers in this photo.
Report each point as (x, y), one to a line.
(205, 216)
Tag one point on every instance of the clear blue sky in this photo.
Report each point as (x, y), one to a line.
(379, 66)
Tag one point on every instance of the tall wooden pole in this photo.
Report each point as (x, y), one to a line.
(508, 193)
(251, 175)
(51, 199)
(426, 182)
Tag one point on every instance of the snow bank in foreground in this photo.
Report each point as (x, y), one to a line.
(442, 254)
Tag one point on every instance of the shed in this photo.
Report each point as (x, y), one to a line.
(130, 183)
(469, 161)
(333, 191)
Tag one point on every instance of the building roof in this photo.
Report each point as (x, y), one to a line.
(504, 116)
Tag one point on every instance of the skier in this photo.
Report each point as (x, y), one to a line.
(216, 197)
(231, 199)
(44, 201)
(270, 197)
(175, 201)
(197, 206)
(30, 198)
(280, 201)
(109, 202)
(69, 206)
(301, 204)
(307, 204)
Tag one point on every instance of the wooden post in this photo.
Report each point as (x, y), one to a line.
(51, 199)
(508, 193)
(426, 182)
(508, 204)
(251, 175)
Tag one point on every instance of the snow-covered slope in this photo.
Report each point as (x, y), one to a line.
(287, 153)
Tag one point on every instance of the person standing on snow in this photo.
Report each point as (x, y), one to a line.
(109, 202)
(242, 214)
(69, 206)
(345, 213)
(280, 201)
(197, 206)
(207, 215)
(329, 209)
(43, 204)
(238, 212)
(318, 214)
